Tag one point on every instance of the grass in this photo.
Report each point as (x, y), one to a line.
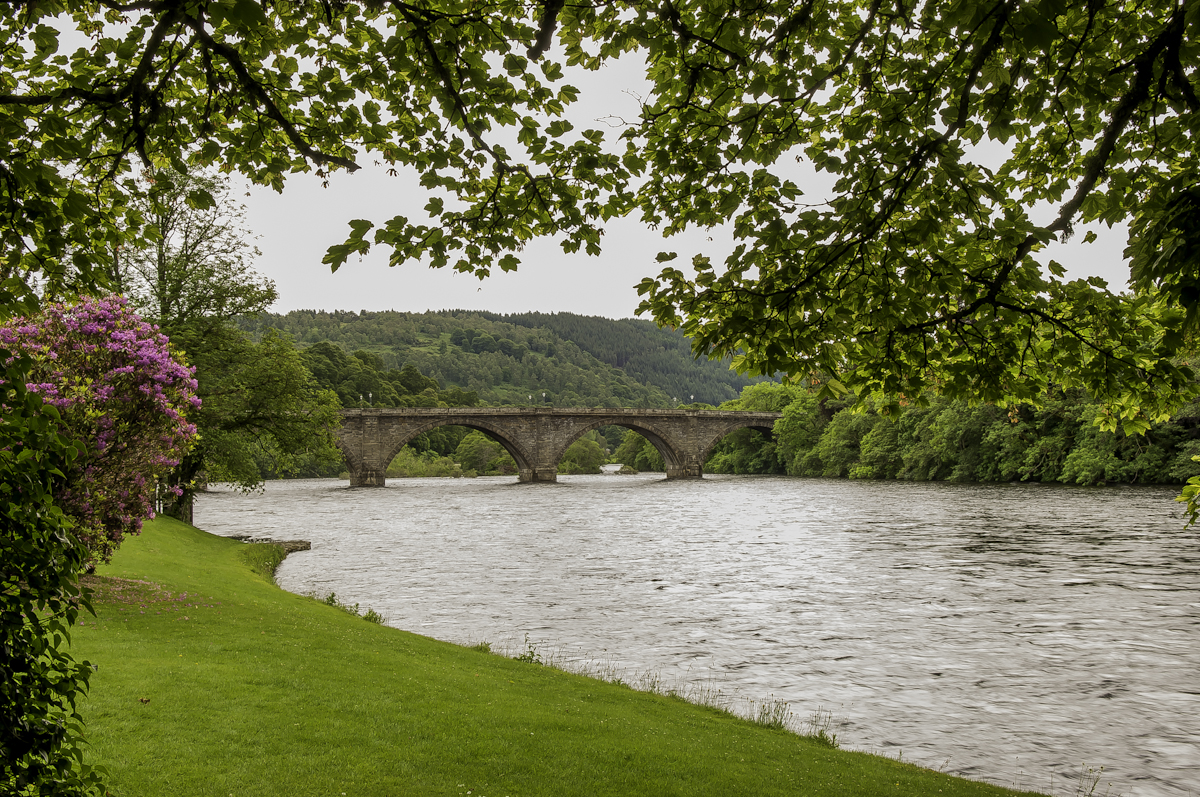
(212, 681)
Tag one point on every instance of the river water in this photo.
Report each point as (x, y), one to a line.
(1020, 634)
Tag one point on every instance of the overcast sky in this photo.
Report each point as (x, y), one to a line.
(296, 228)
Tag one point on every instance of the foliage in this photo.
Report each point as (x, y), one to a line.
(427, 463)
(360, 380)
(530, 655)
(773, 714)
(196, 267)
(264, 558)
(1190, 496)
(40, 599)
(744, 451)
(477, 454)
(647, 353)
(120, 390)
(481, 455)
(946, 129)
(638, 453)
(818, 728)
(585, 455)
(747, 450)
(261, 410)
(956, 441)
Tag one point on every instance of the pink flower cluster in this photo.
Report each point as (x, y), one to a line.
(123, 394)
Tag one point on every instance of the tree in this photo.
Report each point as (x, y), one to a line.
(192, 272)
(40, 599)
(196, 266)
(479, 453)
(260, 402)
(638, 453)
(944, 124)
(584, 455)
(944, 127)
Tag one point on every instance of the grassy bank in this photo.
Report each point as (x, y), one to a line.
(212, 681)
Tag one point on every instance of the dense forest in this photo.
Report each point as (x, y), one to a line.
(561, 360)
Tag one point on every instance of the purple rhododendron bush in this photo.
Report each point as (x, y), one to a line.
(120, 392)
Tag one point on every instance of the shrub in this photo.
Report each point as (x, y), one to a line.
(120, 392)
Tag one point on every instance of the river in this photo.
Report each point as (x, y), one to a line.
(1020, 634)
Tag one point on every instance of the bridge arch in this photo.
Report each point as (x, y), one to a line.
(756, 425)
(353, 461)
(496, 432)
(673, 459)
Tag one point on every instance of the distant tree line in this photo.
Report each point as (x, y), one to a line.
(361, 380)
(457, 358)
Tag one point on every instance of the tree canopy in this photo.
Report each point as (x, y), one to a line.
(961, 137)
(197, 268)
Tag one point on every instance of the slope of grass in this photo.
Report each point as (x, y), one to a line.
(212, 681)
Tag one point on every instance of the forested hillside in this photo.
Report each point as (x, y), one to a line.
(561, 359)
(649, 354)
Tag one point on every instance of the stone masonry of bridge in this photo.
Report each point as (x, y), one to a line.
(537, 437)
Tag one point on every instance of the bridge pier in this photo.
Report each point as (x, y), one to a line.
(367, 477)
(546, 473)
(527, 475)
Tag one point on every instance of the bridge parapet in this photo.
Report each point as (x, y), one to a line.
(537, 437)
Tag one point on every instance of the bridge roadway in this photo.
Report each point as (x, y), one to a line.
(537, 437)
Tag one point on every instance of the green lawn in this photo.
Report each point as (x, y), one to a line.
(212, 681)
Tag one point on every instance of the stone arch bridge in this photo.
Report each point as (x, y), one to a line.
(537, 437)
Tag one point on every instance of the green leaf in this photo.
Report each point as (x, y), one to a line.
(247, 14)
(201, 199)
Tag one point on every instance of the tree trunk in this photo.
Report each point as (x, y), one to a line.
(188, 477)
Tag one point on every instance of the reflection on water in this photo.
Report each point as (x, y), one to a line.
(1001, 632)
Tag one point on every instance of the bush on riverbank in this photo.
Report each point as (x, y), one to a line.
(212, 681)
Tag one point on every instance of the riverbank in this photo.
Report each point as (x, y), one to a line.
(212, 681)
